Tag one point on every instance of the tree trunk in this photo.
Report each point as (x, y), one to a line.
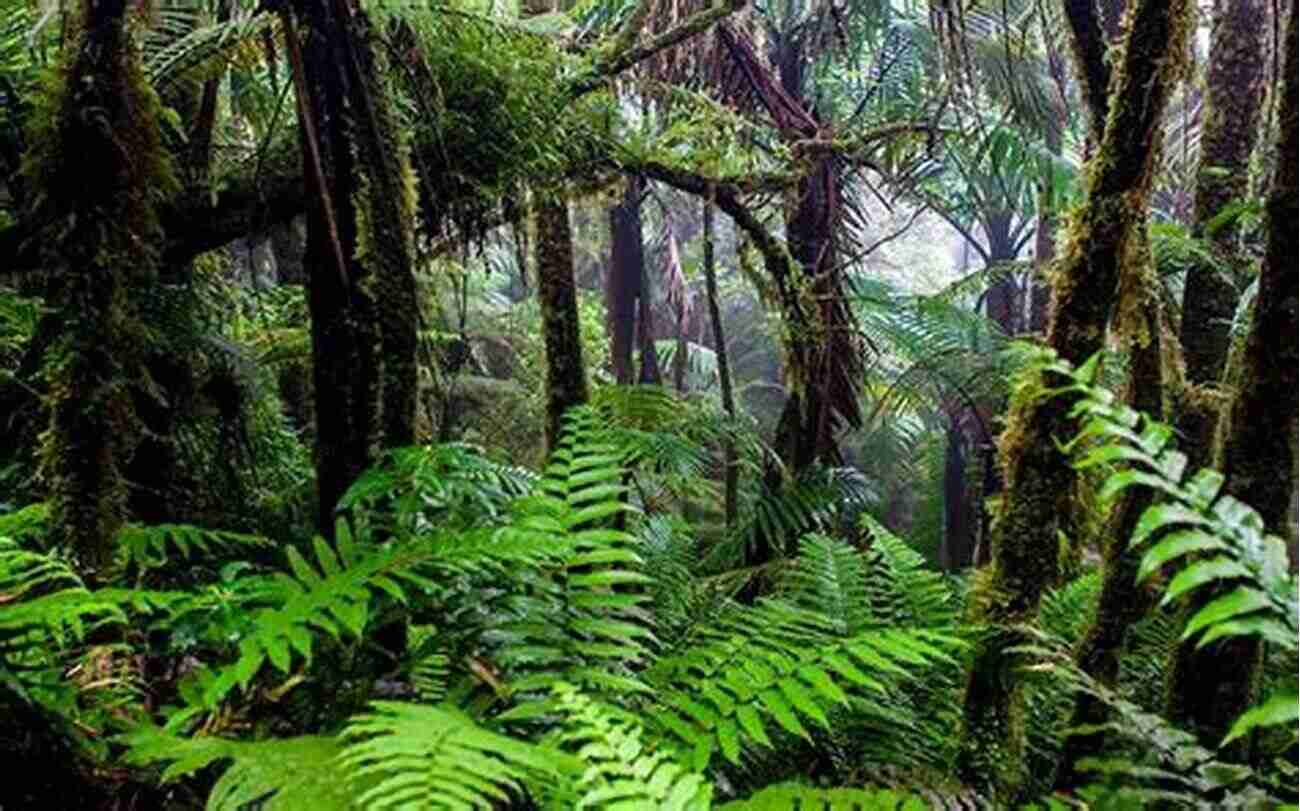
(566, 376)
(1040, 480)
(102, 169)
(731, 471)
(1123, 600)
(626, 267)
(362, 294)
(1234, 92)
(1211, 687)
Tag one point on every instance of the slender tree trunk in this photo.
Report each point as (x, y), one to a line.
(1234, 93)
(731, 471)
(1257, 436)
(566, 376)
(1040, 480)
(102, 169)
(626, 267)
(645, 328)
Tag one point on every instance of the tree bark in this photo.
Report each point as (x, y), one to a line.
(1102, 241)
(362, 287)
(730, 471)
(1234, 93)
(566, 376)
(1257, 435)
(626, 267)
(102, 169)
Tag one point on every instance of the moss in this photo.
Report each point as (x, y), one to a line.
(98, 156)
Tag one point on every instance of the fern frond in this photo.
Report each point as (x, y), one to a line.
(275, 775)
(1212, 540)
(830, 577)
(415, 489)
(777, 662)
(413, 756)
(903, 590)
(795, 797)
(619, 770)
(151, 547)
(27, 524)
(332, 596)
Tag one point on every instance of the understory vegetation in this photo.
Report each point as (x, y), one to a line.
(647, 405)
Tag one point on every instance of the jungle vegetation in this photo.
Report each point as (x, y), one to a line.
(648, 404)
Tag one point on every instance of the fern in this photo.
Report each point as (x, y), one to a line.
(582, 619)
(274, 775)
(619, 770)
(903, 590)
(775, 662)
(437, 757)
(151, 547)
(794, 797)
(332, 597)
(1213, 541)
(830, 577)
(415, 489)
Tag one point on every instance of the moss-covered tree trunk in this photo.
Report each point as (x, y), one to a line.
(362, 287)
(1123, 600)
(102, 170)
(1234, 92)
(1257, 436)
(566, 375)
(1104, 237)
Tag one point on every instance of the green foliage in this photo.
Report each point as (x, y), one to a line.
(619, 770)
(437, 757)
(793, 797)
(272, 775)
(1208, 539)
(454, 485)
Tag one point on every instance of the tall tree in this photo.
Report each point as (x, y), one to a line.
(362, 292)
(566, 375)
(1257, 434)
(1101, 240)
(102, 170)
(1234, 93)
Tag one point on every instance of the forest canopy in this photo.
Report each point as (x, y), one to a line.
(649, 404)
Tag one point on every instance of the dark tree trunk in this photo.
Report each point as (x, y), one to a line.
(730, 471)
(1211, 687)
(1040, 480)
(362, 289)
(626, 267)
(566, 376)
